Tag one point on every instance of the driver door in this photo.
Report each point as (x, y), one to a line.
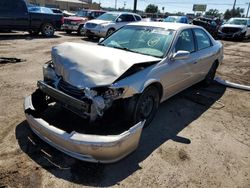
(179, 73)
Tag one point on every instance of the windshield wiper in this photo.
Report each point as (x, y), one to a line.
(123, 48)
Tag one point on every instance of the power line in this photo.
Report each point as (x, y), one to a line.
(248, 9)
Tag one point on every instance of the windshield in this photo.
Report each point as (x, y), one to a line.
(237, 21)
(153, 41)
(108, 17)
(82, 13)
(172, 19)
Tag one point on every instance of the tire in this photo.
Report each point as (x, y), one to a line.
(110, 31)
(146, 106)
(68, 31)
(210, 75)
(48, 30)
(79, 31)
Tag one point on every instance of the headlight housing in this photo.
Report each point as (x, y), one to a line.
(113, 93)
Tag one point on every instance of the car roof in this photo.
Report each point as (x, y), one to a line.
(117, 12)
(166, 25)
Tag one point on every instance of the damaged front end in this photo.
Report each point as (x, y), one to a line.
(89, 103)
(86, 147)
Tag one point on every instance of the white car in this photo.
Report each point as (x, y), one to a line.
(109, 22)
(238, 28)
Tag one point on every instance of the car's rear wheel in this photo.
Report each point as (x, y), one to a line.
(48, 30)
(110, 31)
(210, 75)
(146, 105)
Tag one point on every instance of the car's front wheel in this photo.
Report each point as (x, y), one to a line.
(146, 105)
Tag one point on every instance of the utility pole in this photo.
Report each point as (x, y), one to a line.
(234, 4)
(248, 9)
(135, 5)
(115, 4)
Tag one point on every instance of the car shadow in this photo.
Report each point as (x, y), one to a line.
(173, 116)
(18, 36)
(95, 39)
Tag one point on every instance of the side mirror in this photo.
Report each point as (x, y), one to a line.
(181, 55)
(119, 20)
(248, 25)
(100, 40)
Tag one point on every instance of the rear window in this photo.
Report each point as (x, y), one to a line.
(138, 18)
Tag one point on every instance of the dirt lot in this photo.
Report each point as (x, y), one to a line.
(199, 138)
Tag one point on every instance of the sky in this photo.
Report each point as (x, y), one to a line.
(175, 6)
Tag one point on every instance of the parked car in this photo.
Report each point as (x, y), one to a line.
(32, 19)
(177, 19)
(237, 28)
(76, 23)
(109, 22)
(133, 70)
(210, 24)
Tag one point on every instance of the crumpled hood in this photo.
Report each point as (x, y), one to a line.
(233, 26)
(89, 65)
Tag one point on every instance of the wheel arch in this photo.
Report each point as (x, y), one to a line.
(154, 83)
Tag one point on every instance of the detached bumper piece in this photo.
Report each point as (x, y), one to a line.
(86, 147)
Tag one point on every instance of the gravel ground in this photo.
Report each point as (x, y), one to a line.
(199, 138)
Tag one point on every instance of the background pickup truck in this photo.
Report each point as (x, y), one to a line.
(16, 15)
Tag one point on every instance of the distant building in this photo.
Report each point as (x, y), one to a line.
(70, 5)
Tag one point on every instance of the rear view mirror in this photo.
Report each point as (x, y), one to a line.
(179, 55)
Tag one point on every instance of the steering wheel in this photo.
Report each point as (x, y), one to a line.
(153, 41)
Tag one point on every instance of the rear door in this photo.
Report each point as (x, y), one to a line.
(204, 55)
(6, 20)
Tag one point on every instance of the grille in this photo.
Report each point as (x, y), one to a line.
(70, 90)
(90, 25)
(67, 21)
(230, 30)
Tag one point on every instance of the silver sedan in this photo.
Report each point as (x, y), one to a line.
(134, 69)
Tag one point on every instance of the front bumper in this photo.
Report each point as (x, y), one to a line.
(230, 35)
(69, 27)
(94, 32)
(86, 147)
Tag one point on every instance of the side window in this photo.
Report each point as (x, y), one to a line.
(203, 40)
(185, 41)
(138, 18)
(127, 18)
